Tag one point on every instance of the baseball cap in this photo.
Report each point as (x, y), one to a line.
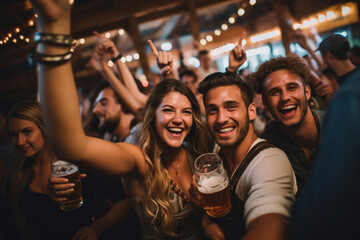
(337, 45)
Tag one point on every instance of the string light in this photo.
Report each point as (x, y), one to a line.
(107, 35)
(121, 31)
(224, 27)
(136, 56)
(345, 10)
(82, 41)
(241, 12)
(209, 38)
(123, 59)
(17, 30)
(203, 42)
(231, 20)
(252, 2)
(217, 32)
(31, 23)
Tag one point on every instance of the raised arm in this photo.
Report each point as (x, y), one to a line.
(128, 79)
(58, 99)
(164, 61)
(237, 57)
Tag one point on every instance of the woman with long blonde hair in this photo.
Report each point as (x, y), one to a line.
(156, 176)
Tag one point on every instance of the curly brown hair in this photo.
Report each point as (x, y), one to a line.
(293, 64)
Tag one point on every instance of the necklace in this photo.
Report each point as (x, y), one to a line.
(176, 168)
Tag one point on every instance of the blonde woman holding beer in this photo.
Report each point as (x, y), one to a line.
(29, 212)
(158, 174)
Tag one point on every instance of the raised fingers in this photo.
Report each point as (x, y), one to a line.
(153, 48)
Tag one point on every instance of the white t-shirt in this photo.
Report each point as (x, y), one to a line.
(268, 184)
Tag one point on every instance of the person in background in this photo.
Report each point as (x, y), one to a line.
(355, 55)
(189, 78)
(206, 67)
(328, 208)
(29, 212)
(283, 83)
(335, 51)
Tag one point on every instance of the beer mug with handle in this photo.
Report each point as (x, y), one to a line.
(63, 169)
(213, 184)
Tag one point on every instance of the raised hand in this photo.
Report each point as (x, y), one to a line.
(105, 45)
(237, 57)
(164, 59)
(53, 15)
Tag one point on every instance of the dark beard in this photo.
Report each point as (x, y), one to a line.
(109, 125)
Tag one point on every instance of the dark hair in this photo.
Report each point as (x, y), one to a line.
(105, 84)
(337, 45)
(188, 72)
(329, 73)
(293, 64)
(202, 52)
(356, 50)
(219, 79)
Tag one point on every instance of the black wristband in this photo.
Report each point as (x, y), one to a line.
(114, 59)
(54, 59)
(54, 39)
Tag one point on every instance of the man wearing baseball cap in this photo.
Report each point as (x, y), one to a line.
(335, 51)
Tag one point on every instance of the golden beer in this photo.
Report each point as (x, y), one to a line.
(213, 184)
(70, 171)
(216, 198)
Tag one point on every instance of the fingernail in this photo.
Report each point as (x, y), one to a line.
(72, 185)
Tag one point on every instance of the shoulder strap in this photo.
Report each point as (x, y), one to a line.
(247, 160)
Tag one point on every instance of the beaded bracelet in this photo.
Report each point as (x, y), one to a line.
(55, 39)
(48, 58)
(114, 59)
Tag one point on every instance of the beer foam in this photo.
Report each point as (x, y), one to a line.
(212, 184)
(62, 168)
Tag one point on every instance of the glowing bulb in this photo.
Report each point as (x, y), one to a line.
(107, 35)
(209, 38)
(110, 64)
(27, 40)
(203, 42)
(241, 11)
(322, 18)
(231, 20)
(306, 23)
(123, 59)
(14, 40)
(224, 27)
(7, 38)
(31, 22)
(136, 56)
(330, 15)
(145, 83)
(217, 32)
(243, 42)
(345, 10)
(71, 2)
(252, 2)
(313, 21)
(129, 58)
(21, 37)
(10, 35)
(17, 29)
(36, 16)
(121, 31)
(1, 42)
(82, 41)
(297, 26)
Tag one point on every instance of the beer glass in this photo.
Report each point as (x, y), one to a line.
(61, 168)
(213, 184)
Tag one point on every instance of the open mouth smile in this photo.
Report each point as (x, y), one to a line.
(175, 131)
(288, 110)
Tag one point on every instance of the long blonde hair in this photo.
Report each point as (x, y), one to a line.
(22, 170)
(156, 182)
